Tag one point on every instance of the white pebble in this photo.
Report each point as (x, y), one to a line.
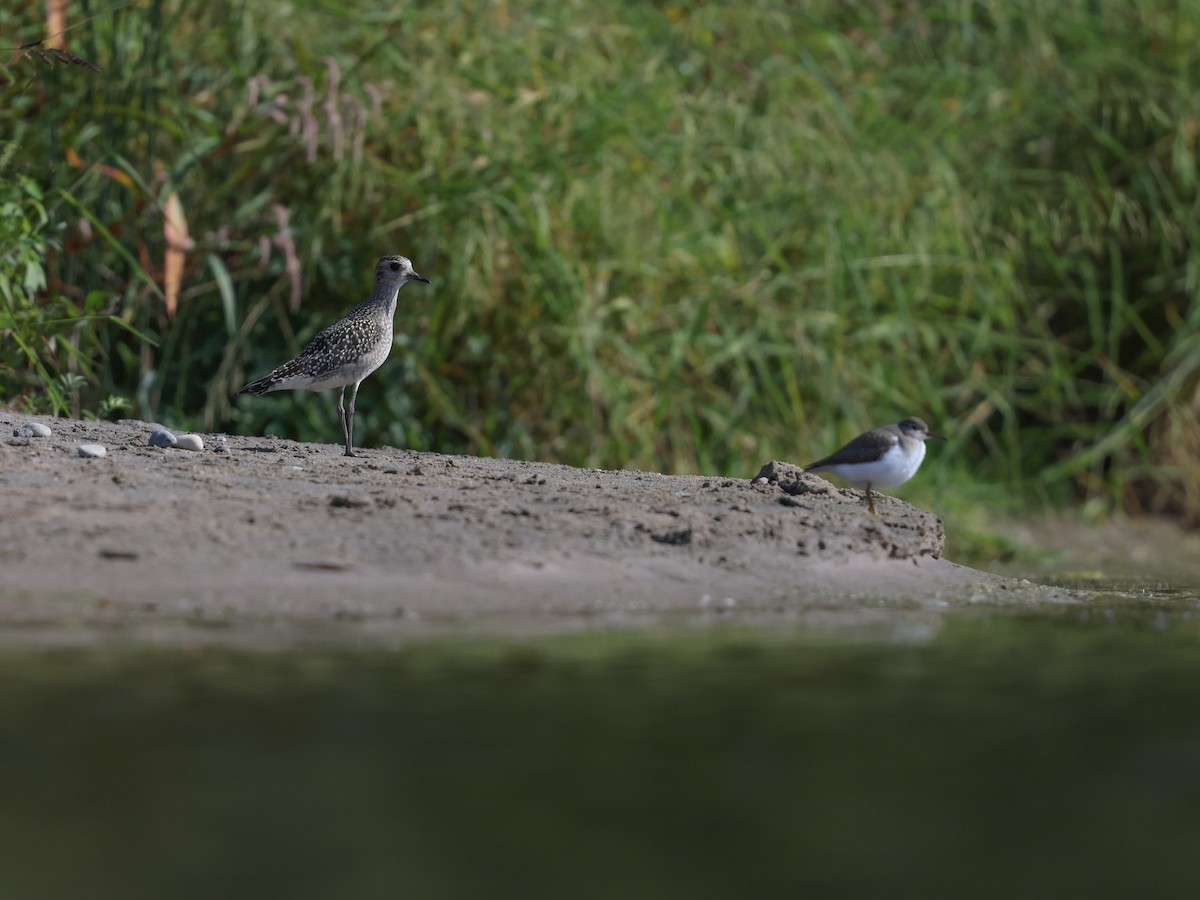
(93, 451)
(162, 438)
(190, 442)
(37, 429)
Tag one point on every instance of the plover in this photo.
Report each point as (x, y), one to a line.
(882, 457)
(349, 350)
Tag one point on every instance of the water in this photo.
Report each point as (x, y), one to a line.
(1044, 755)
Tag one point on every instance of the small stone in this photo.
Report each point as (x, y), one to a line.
(190, 442)
(342, 501)
(117, 554)
(162, 438)
(23, 431)
(92, 451)
(37, 429)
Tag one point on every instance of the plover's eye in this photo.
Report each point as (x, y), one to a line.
(395, 267)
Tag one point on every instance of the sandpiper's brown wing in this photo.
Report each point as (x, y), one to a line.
(867, 447)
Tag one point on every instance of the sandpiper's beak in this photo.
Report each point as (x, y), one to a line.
(930, 435)
(422, 278)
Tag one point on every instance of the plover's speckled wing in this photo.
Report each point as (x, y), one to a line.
(348, 350)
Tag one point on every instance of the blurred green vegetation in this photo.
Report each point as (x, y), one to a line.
(678, 237)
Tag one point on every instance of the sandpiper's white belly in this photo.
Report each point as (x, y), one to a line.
(893, 468)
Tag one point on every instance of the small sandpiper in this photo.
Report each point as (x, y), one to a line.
(350, 349)
(881, 457)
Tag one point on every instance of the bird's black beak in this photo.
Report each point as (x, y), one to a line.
(937, 437)
(421, 278)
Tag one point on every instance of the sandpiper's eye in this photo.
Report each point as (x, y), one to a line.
(395, 267)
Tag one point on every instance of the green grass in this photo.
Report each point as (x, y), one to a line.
(683, 238)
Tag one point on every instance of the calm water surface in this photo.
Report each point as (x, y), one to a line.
(1047, 755)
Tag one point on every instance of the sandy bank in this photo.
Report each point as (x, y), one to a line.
(259, 539)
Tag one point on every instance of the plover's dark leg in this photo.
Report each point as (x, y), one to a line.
(348, 426)
(342, 417)
(870, 502)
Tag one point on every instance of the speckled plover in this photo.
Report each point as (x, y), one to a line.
(349, 350)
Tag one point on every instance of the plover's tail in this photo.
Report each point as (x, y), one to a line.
(264, 384)
(293, 374)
